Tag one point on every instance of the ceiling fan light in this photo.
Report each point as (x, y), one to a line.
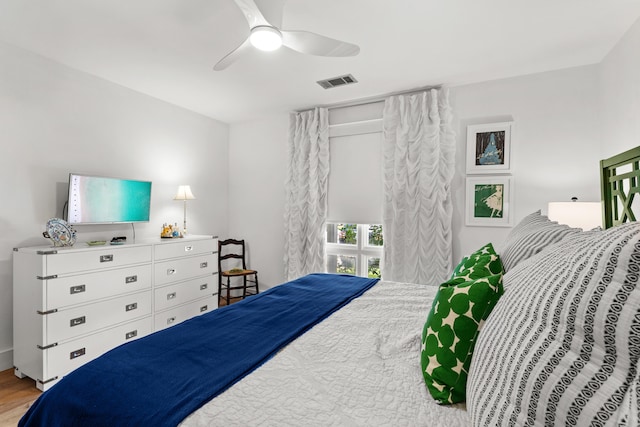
(265, 38)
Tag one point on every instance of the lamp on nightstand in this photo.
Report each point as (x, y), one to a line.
(585, 215)
(184, 193)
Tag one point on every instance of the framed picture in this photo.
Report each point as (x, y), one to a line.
(489, 201)
(489, 148)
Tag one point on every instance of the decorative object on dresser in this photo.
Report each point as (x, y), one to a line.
(60, 232)
(70, 305)
(184, 193)
(239, 270)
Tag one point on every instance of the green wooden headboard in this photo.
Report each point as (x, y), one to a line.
(619, 187)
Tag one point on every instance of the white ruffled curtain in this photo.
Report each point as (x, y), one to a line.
(419, 163)
(306, 193)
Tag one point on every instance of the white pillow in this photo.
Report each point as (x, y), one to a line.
(562, 345)
(529, 237)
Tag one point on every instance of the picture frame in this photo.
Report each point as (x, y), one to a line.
(489, 148)
(488, 202)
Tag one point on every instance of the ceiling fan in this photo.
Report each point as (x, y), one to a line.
(265, 36)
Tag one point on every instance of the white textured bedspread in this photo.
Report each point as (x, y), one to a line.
(359, 367)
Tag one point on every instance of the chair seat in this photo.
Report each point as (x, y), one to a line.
(232, 273)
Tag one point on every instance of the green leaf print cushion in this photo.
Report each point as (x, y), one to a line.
(459, 310)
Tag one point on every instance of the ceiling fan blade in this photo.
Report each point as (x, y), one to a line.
(232, 56)
(315, 44)
(251, 11)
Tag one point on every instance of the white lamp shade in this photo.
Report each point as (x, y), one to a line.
(585, 215)
(265, 38)
(184, 193)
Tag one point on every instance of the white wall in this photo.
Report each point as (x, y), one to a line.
(258, 165)
(620, 86)
(555, 143)
(55, 120)
(556, 150)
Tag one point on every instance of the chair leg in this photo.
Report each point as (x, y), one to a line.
(257, 290)
(228, 290)
(244, 287)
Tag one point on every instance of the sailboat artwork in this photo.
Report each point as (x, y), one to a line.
(490, 148)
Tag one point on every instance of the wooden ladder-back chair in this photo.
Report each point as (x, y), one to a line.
(235, 249)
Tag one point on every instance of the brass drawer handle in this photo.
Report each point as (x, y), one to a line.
(106, 258)
(77, 289)
(77, 321)
(203, 308)
(170, 320)
(78, 353)
(203, 286)
(172, 295)
(204, 264)
(132, 306)
(188, 248)
(131, 334)
(131, 279)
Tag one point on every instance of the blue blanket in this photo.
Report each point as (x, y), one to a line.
(160, 379)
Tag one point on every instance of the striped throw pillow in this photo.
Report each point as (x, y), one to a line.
(561, 347)
(533, 234)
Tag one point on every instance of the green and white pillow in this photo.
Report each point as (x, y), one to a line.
(482, 263)
(564, 349)
(459, 310)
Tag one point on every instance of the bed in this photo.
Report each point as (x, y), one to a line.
(559, 347)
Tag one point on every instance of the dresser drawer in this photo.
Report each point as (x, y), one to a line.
(181, 313)
(64, 358)
(181, 269)
(78, 289)
(72, 322)
(180, 293)
(115, 256)
(184, 247)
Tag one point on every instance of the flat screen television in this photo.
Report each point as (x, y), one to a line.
(103, 200)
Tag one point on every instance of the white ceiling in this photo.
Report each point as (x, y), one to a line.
(167, 48)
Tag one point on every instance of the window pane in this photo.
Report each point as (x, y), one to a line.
(344, 234)
(375, 235)
(342, 264)
(373, 268)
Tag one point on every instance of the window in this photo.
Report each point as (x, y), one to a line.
(354, 249)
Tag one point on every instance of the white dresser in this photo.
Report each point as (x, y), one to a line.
(70, 305)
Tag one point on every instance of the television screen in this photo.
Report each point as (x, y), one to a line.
(102, 200)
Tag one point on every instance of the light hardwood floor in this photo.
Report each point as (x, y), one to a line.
(16, 395)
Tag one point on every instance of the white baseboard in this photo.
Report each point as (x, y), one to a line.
(6, 359)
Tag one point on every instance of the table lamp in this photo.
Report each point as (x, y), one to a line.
(585, 215)
(184, 193)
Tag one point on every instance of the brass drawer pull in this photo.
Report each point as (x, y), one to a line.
(204, 264)
(77, 289)
(170, 320)
(171, 271)
(132, 306)
(77, 321)
(203, 286)
(188, 248)
(78, 353)
(106, 258)
(131, 334)
(203, 308)
(172, 295)
(131, 279)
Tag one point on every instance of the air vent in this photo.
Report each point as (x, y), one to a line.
(337, 81)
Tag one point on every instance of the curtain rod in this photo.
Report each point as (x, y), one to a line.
(370, 100)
